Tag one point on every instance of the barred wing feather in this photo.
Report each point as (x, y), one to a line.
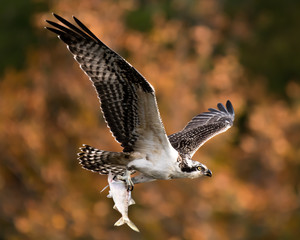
(127, 100)
(201, 128)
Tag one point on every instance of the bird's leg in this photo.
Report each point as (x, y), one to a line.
(126, 177)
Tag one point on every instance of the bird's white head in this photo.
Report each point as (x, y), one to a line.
(194, 169)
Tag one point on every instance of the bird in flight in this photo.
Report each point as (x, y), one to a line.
(129, 106)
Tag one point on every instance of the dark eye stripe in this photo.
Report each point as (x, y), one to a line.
(200, 168)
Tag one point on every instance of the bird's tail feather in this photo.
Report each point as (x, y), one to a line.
(122, 220)
(101, 161)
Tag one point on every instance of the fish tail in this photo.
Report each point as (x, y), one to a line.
(122, 220)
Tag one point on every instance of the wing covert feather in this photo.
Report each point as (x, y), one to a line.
(201, 128)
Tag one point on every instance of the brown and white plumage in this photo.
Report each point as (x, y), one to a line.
(129, 107)
(202, 128)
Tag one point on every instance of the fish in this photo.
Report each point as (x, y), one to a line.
(122, 199)
(131, 201)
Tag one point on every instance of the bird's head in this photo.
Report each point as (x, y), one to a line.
(194, 169)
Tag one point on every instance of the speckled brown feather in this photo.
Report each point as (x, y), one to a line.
(115, 80)
(129, 106)
(102, 162)
(201, 128)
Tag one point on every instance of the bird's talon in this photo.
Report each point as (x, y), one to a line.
(127, 179)
(130, 187)
(129, 184)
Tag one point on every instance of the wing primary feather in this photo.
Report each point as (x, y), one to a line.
(213, 110)
(70, 25)
(56, 31)
(229, 107)
(222, 108)
(62, 28)
(127, 99)
(80, 24)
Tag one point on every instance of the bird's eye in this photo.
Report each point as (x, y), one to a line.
(200, 168)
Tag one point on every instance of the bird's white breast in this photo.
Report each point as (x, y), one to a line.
(157, 164)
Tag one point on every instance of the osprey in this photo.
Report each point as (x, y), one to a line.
(130, 110)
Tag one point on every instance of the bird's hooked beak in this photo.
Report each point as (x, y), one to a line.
(208, 173)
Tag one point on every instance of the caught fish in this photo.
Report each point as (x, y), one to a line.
(122, 199)
(131, 201)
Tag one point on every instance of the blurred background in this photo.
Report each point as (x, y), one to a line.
(195, 54)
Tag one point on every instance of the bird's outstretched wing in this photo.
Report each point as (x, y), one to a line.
(127, 100)
(201, 128)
